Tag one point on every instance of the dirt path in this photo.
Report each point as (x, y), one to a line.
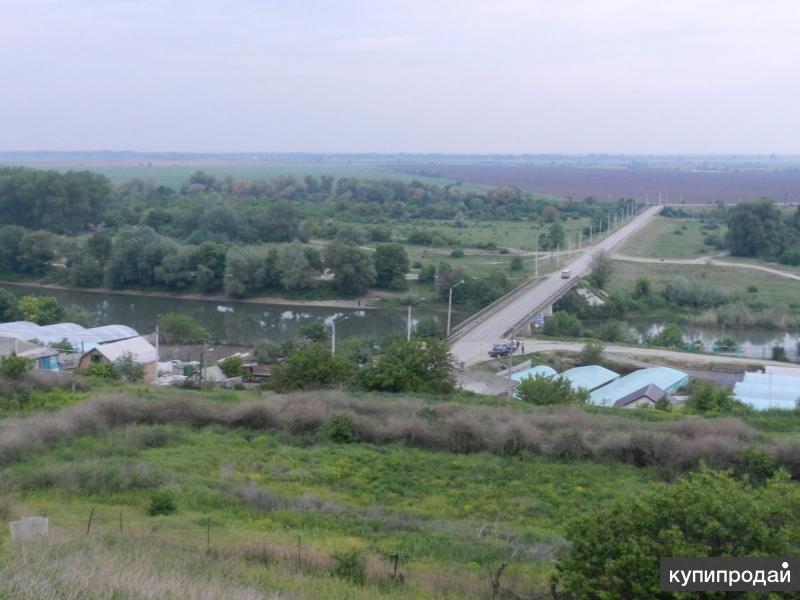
(633, 352)
(705, 260)
(366, 302)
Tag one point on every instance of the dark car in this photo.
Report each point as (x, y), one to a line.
(501, 350)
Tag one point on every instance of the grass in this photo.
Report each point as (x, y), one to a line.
(431, 481)
(669, 238)
(772, 290)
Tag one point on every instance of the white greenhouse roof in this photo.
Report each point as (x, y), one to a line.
(78, 336)
(667, 379)
(542, 370)
(142, 350)
(590, 377)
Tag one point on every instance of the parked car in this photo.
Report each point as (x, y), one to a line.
(501, 350)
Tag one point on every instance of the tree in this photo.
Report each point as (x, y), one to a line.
(267, 352)
(391, 265)
(15, 367)
(421, 366)
(181, 329)
(354, 270)
(642, 289)
(756, 229)
(614, 550)
(563, 324)
(545, 390)
(670, 336)
(314, 332)
(427, 274)
(42, 310)
(85, 271)
(554, 238)
(517, 264)
(8, 306)
(136, 253)
(232, 366)
(129, 368)
(708, 397)
(36, 252)
(249, 271)
(310, 367)
(429, 327)
(292, 264)
(99, 246)
(602, 269)
(210, 266)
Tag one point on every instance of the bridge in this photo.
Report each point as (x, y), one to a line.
(512, 314)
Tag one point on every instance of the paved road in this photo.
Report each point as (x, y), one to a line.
(472, 346)
(706, 261)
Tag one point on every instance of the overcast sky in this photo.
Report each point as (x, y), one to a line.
(477, 76)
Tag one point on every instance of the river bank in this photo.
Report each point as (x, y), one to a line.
(366, 302)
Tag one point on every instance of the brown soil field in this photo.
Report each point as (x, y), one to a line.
(675, 186)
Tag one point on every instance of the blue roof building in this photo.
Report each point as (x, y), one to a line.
(763, 391)
(590, 377)
(669, 380)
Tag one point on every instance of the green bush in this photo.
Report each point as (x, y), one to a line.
(707, 397)
(15, 367)
(458, 253)
(517, 264)
(310, 367)
(543, 390)
(350, 566)
(563, 324)
(232, 366)
(182, 329)
(162, 502)
(101, 371)
(339, 429)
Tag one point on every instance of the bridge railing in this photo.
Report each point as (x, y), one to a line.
(552, 299)
(479, 316)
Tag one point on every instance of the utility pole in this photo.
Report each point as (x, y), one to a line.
(536, 265)
(449, 305)
(408, 323)
(333, 331)
(558, 258)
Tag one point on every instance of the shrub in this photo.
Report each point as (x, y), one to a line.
(517, 264)
(340, 429)
(315, 332)
(310, 367)
(418, 365)
(232, 366)
(15, 367)
(755, 465)
(427, 274)
(779, 353)
(129, 368)
(101, 371)
(350, 565)
(162, 502)
(267, 352)
(707, 397)
(544, 390)
(592, 352)
(182, 329)
(457, 253)
(563, 324)
(671, 336)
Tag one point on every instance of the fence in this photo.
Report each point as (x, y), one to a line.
(29, 527)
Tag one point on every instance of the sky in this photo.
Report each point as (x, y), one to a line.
(442, 76)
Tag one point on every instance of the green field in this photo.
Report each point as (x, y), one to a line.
(669, 238)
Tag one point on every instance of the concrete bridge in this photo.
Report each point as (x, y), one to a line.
(513, 313)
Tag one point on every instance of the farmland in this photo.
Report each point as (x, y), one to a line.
(673, 186)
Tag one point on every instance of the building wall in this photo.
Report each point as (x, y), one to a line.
(150, 369)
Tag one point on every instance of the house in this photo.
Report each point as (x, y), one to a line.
(646, 396)
(43, 358)
(669, 380)
(142, 351)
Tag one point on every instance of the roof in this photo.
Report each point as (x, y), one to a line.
(667, 379)
(10, 345)
(590, 377)
(763, 391)
(650, 391)
(78, 336)
(786, 371)
(542, 370)
(142, 350)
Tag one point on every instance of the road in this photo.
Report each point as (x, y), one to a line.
(706, 261)
(473, 344)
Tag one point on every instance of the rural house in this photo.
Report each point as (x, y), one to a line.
(142, 351)
(646, 396)
(43, 358)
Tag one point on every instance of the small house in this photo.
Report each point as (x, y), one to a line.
(142, 351)
(643, 397)
(43, 358)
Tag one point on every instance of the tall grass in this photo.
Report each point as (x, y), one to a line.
(563, 433)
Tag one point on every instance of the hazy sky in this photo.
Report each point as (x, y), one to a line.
(477, 76)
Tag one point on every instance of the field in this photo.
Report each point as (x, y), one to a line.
(674, 185)
(669, 238)
(270, 496)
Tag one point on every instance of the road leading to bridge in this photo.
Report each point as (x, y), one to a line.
(474, 341)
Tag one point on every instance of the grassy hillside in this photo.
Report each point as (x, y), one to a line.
(274, 494)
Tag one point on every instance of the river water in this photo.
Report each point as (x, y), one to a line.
(754, 342)
(235, 322)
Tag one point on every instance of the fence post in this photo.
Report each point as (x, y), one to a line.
(208, 535)
(120, 522)
(89, 522)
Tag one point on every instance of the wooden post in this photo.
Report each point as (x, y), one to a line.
(89, 523)
(120, 522)
(208, 535)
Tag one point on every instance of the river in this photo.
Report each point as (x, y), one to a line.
(233, 322)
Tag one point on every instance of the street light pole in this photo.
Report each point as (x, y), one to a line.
(450, 304)
(333, 331)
